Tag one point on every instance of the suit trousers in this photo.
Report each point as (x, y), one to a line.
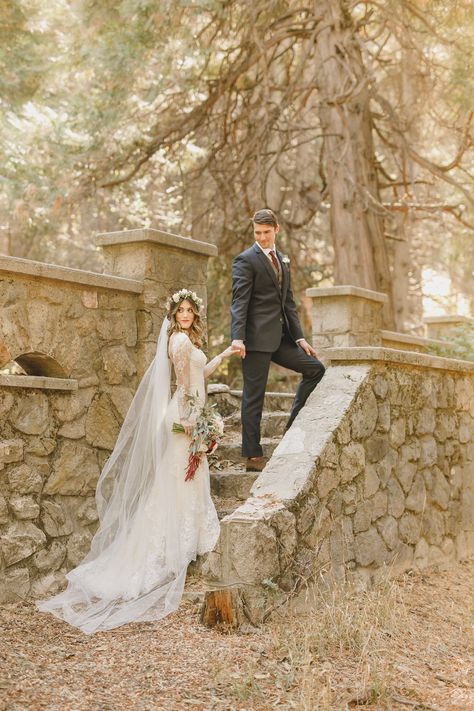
(255, 367)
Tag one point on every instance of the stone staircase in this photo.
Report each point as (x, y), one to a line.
(230, 483)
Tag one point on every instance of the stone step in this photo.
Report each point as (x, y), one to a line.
(232, 482)
(230, 450)
(272, 425)
(225, 506)
(273, 401)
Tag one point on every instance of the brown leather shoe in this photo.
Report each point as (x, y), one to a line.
(256, 464)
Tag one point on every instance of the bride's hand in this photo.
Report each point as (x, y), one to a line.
(230, 351)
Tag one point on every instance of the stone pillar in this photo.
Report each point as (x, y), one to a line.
(346, 316)
(443, 326)
(165, 262)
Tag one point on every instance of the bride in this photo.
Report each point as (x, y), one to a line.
(153, 523)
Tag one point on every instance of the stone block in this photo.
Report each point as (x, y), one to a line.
(405, 474)
(352, 461)
(40, 446)
(364, 415)
(383, 420)
(102, 427)
(327, 480)
(433, 528)
(24, 507)
(370, 548)
(410, 452)
(467, 509)
(51, 558)
(386, 467)
(4, 517)
(87, 511)
(371, 481)
(397, 432)
(75, 471)
(465, 545)
(253, 551)
(425, 421)
(73, 430)
(380, 386)
(118, 326)
(47, 585)
(421, 555)
(416, 499)
(14, 585)
(343, 434)
(379, 505)
(388, 529)
(56, 521)
(121, 398)
(11, 450)
(117, 364)
(307, 514)
(78, 546)
(334, 503)
(25, 480)
(363, 517)
(466, 427)
(402, 559)
(409, 528)
(31, 414)
(320, 529)
(20, 540)
(6, 403)
(440, 489)
(377, 447)
(429, 452)
(446, 425)
(70, 406)
(396, 498)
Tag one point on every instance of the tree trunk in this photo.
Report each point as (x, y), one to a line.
(357, 225)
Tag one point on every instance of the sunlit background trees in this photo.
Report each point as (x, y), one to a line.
(352, 120)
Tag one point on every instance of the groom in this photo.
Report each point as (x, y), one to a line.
(265, 327)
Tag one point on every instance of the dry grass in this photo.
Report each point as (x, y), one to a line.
(404, 645)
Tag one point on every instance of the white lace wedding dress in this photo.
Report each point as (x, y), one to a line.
(153, 523)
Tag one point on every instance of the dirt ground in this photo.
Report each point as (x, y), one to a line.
(409, 647)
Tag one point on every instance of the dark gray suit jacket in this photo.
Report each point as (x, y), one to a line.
(259, 308)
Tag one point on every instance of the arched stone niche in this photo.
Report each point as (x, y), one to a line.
(34, 363)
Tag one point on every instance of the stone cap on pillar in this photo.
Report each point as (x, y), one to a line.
(347, 290)
(153, 236)
(346, 315)
(442, 326)
(140, 253)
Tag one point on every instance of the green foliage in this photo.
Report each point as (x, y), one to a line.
(459, 344)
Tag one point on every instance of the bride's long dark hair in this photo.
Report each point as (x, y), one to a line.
(195, 331)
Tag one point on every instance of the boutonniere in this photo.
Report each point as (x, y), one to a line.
(285, 259)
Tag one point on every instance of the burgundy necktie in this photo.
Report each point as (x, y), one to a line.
(275, 261)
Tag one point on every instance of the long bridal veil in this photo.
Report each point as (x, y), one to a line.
(136, 567)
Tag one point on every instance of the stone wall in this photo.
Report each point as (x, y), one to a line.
(377, 472)
(96, 334)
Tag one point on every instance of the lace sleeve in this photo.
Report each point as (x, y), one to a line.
(210, 367)
(180, 354)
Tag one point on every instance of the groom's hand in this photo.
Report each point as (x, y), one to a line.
(309, 350)
(240, 345)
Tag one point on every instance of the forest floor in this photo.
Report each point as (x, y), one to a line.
(407, 644)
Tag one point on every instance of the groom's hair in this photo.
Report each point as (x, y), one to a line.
(265, 217)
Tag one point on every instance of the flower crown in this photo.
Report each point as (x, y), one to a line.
(184, 294)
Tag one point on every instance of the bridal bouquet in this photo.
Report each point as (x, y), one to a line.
(205, 438)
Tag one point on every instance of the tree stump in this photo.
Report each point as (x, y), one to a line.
(222, 608)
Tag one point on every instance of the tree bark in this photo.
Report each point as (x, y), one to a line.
(356, 215)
